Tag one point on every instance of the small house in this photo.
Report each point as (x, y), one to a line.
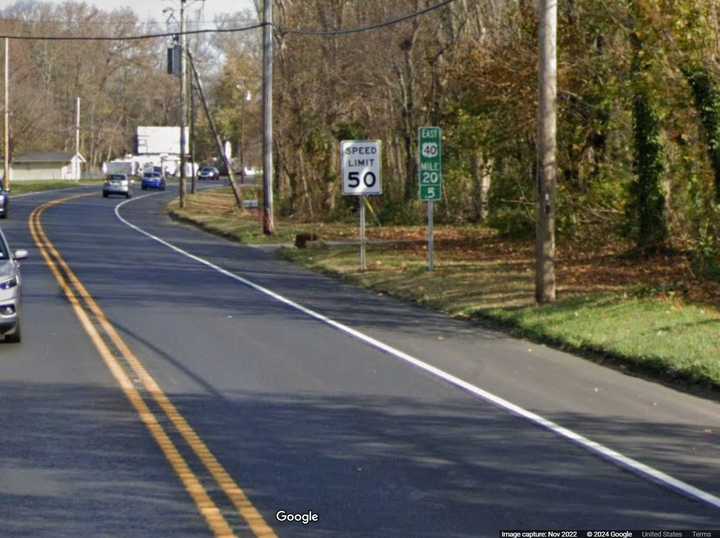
(53, 165)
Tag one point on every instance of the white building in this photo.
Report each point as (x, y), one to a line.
(160, 140)
(52, 165)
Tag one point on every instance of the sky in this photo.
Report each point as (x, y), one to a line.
(152, 9)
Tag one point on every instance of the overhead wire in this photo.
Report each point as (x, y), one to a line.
(114, 20)
(220, 30)
(138, 37)
(389, 22)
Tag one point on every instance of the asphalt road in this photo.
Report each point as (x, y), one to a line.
(302, 416)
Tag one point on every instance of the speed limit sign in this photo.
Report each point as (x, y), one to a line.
(361, 167)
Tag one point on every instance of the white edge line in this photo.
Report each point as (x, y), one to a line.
(606, 453)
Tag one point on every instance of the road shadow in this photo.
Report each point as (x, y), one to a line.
(79, 463)
(373, 465)
(76, 461)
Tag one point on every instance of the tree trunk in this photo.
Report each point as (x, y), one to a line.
(707, 103)
(647, 206)
(482, 176)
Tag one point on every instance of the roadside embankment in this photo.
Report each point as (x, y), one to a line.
(27, 187)
(646, 315)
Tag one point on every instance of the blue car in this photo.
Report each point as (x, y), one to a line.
(153, 180)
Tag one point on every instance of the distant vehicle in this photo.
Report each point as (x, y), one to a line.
(208, 172)
(248, 175)
(129, 168)
(117, 184)
(10, 291)
(150, 169)
(249, 171)
(153, 180)
(4, 204)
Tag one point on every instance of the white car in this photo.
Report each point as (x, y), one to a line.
(10, 291)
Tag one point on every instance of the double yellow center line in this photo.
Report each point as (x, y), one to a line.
(102, 333)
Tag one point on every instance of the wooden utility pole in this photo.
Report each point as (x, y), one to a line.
(268, 219)
(183, 99)
(241, 149)
(193, 181)
(216, 134)
(192, 145)
(546, 158)
(6, 177)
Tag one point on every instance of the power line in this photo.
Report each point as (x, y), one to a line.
(390, 22)
(132, 37)
(132, 20)
(280, 29)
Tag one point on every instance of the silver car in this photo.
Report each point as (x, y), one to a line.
(208, 172)
(4, 204)
(117, 184)
(10, 288)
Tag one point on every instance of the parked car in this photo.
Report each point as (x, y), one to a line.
(10, 291)
(4, 204)
(208, 172)
(117, 184)
(153, 180)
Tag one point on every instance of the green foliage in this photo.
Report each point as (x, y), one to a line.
(634, 77)
(707, 103)
(706, 254)
(516, 222)
(344, 211)
(457, 201)
(646, 209)
(350, 130)
(399, 212)
(706, 258)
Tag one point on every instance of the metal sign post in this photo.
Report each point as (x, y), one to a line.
(363, 237)
(361, 176)
(430, 179)
(430, 239)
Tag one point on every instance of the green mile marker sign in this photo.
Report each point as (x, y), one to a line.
(430, 170)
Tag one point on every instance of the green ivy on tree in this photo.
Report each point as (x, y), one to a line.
(707, 102)
(647, 201)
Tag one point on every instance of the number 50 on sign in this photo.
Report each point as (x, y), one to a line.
(361, 167)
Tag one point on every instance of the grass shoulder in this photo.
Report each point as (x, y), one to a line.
(26, 187)
(216, 211)
(648, 315)
(657, 334)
